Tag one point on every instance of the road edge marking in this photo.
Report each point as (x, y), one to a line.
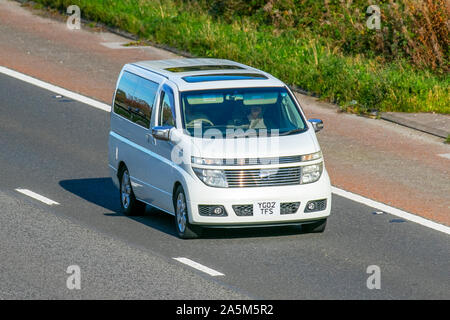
(37, 196)
(64, 92)
(199, 266)
(391, 210)
(346, 194)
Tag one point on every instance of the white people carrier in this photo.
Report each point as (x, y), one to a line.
(216, 144)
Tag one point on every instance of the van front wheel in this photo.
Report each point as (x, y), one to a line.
(184, 229)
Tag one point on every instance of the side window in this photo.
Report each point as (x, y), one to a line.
(167, 108)
(124, 94)
(144, 98)
(291, 114)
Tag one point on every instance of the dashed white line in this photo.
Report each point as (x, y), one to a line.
(199, 266)
(36, 196)
(391, 210)
(340, 192)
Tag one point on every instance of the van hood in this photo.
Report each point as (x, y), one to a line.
(252, 147)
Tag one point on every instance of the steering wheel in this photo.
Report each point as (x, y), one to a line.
(192, 123)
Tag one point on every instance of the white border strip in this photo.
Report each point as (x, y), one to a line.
(391, 210)
(56, 89)
(199, 266)
(36, 196)
(340, 192)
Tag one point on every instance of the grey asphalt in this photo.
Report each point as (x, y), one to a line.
(58, 148)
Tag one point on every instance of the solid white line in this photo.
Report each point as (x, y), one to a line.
(444, 155)
(391, 210)
(199, 266)
(56, 89)
(340, 192)
(36, 196)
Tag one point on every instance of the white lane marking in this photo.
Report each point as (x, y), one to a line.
(391, 210)
(36, 196)
(444, 155)
(199, 266)
(340, 192)
(56, 89)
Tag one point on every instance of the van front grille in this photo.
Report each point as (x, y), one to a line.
(262, 161)
(263, 177)
(289, 207)
(243, 210)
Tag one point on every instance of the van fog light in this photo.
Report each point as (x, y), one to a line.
(316, 205)
(212, 210)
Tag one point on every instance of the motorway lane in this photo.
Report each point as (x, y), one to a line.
(58, 148)
(37, 247)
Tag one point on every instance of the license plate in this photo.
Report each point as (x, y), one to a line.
(266, 208)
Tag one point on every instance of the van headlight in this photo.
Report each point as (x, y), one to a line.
(311, 173)
(212, 177)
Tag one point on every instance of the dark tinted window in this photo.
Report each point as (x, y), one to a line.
(167, 111)
(142, 104)
(124, 94)
(134, 99)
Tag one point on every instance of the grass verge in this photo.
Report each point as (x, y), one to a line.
(356, 82)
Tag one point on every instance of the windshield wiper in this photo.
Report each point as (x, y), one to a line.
(292, 131)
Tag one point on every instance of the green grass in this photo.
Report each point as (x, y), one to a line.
(298, 57)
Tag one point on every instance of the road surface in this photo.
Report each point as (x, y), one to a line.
(57, 148)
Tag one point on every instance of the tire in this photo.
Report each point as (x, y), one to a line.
(184, 229)
(315, 227)
(128, 202)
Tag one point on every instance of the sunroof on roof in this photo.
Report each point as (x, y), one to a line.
(203, 68)
(224, 77)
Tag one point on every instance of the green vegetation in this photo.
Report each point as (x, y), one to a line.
(322, 46)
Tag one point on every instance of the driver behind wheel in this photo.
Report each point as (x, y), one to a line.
(255, 118)
(250, 118)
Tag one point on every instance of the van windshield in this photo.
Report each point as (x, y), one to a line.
(249, 111)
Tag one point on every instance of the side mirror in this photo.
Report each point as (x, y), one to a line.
(161, 132)
(317, 124)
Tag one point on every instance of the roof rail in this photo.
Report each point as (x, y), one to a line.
(160, 74)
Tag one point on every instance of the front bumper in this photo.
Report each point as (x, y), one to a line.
(227, 197)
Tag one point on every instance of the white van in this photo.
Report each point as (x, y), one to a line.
(216, 144)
